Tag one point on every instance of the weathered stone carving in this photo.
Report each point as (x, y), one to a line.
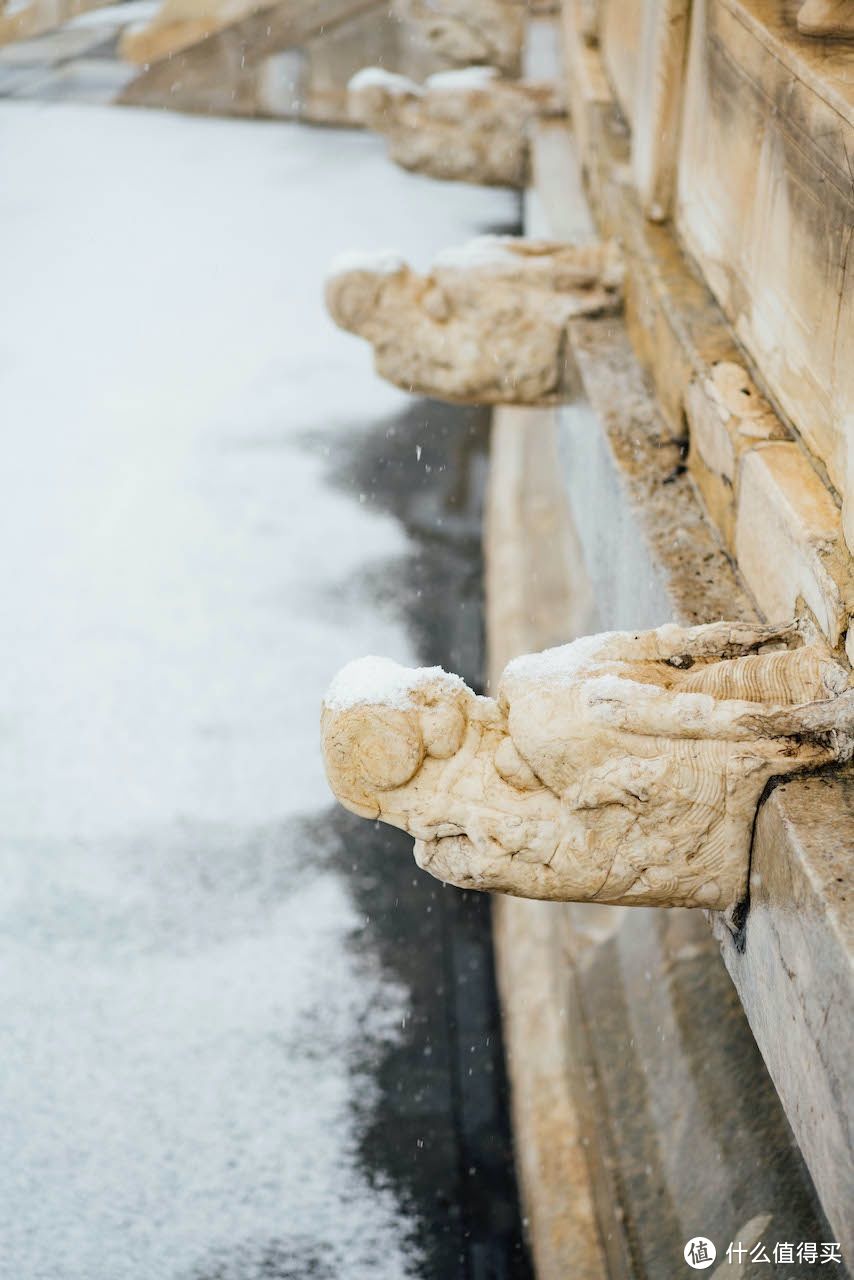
(466, 126)
(470, 32)
(624, 768)
(829, 19)
(487, 323)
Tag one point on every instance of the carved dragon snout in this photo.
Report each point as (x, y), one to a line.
(466, 126)
(379, 724)
(486, 324)
(623, 768)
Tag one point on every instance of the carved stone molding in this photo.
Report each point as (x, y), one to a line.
(470, 32)
(623, 768)
(466, 126)
(487, 323)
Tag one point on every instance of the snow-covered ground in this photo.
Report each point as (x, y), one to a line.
(179, 1009)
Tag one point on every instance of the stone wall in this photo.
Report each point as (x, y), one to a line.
(695, 486)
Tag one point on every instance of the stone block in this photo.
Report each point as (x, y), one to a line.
(765, 204)
(657, 111)
(726, 416)
(588, 92)
(649, 558)
(620, 29)
(788, 539)
(794, 976)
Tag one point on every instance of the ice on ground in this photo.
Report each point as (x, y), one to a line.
(181, 1012)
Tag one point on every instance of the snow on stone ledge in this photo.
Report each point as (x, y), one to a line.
(382, 262)
(483, 251)
(379, 78)
(588, 656)
(374, 680)
(559, 665)
(562, 662)
(464, 78)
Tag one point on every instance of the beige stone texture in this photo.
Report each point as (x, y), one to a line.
(726, 417)
(789, 543)
(552, 202)
(773, 111)
(39, 16)
(694, 579)
(588, 92)
(827, 19)
(551, 1155)
(810, 821)
(799, 943)
(178, 24)
(800, 946)
(657, 107)
(677, 329)
(232, 72)
(588, 19)
(622, 768)
(643, 47)
(470, 32)
(487, 324)
(620, 29)
(466, 126)
(796, 985)
(700, 379)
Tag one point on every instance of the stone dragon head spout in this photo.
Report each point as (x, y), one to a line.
(626, 767)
